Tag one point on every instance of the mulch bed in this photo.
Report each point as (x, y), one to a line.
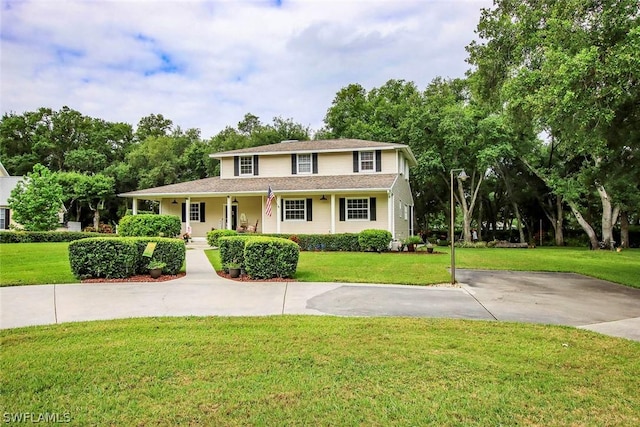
(139, 278)
(245, 278)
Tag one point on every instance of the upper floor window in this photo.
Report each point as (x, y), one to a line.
(304, 163)
(367, 161)
(246, 165)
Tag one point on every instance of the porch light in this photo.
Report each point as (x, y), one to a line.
(323, 198)
(175, 202)
(234, 201)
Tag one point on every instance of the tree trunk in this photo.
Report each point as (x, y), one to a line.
(624, 230)
(609, 217)
(467, 210)
(558, 223)
(519, 218)
(593, 239)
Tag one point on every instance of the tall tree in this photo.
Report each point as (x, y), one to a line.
(37, 201)
(571, 69)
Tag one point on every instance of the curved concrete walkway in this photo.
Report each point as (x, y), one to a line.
(563, 299)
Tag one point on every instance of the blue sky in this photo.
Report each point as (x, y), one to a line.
(205, 64)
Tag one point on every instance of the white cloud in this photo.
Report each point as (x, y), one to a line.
(205, 64)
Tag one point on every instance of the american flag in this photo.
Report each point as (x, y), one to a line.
(270, 197)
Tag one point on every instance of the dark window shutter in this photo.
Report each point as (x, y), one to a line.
(378, 160)
(282, 204)
(343, 208)
(356, 161)
(294, 164)
(309, 209)
(314, 160)
(201, 211)
(255, 165)
(236, 165)
(7, 218)
(184, 212)
(372, 208)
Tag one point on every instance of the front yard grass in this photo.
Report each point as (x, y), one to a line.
(48, 263)
(309, 370)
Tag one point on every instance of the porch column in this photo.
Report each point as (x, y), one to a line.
(391, 211)
(333, 214)
(134, 208)
(278, 213)
(228, 212)
(187, 215)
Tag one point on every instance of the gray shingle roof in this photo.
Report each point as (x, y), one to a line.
(316, 146)
(218, 187)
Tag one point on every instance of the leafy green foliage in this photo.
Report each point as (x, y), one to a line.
(150, 225)
(374, 240)
(37, 200)
(232, 250)
(121, 257)
(269, 257)
(103, 257)
(324, 242)
(44, 236)
(213, 236)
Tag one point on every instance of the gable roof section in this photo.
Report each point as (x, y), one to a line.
(257, 186)
(317, 146)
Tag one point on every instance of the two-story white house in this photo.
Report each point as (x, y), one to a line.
(316, 187)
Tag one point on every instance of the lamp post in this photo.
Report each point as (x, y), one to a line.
(462, 176)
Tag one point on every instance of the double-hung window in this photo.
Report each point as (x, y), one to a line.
(246, 165)
(304, 163)
(295, 210)
(194, 212)
(367, 161)
(357, 209)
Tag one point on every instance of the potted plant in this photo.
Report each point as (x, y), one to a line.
(234, 269)
(411, 242)
(155, 268)
(429, 248)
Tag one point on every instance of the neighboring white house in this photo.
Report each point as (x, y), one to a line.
(319, 187)
(7, 184)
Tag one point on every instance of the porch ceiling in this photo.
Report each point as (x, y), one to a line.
(258, 186)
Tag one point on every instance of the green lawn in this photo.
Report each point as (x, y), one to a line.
(39, 263)
(296, 370)
(420, 269)
(34, 264)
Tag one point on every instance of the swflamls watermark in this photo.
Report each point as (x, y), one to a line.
(36, 417)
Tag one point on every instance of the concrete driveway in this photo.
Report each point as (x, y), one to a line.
(562, 299)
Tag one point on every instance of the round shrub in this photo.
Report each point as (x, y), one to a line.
(232, 250)
(150, 225)
(214, 235)
(374, 240)
(269, 257)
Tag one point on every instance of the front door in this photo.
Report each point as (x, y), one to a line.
(234, 216)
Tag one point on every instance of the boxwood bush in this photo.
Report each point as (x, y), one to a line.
(103, 257)
(121, 257)
(232, 250)
(324, 242)
(150, 225)
(374, 240)
(214, 235)
(170, 251)
(269, 257)
(44, 236)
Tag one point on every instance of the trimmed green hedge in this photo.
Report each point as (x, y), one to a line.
(269, 257)
(150, 225)
(45, 236)
(374, 240)
(347, 242)
(214, 235)
(232, 250)
(121, 257)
